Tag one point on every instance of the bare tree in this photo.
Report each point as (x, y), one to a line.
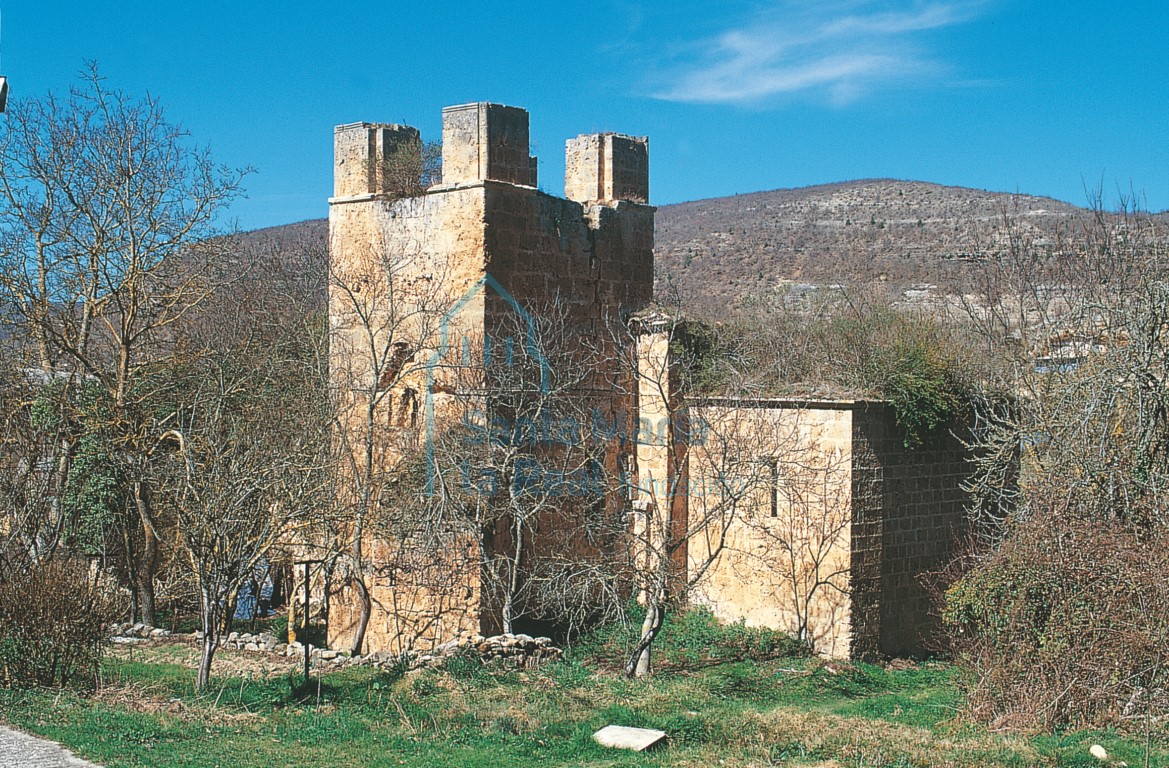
(521, 471)
(29, 443)
(1074, 326)
(248, 461)
(1077, 413)
(238, 495)
(698, 472)
(107, 218)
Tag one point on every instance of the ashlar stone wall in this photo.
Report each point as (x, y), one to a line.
(424, 286)
(840, 530)
(911, 508)
(776, 480)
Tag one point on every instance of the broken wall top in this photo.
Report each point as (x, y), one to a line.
(486, 142)
(607, 167)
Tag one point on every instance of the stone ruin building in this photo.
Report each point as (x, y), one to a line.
(832, 541)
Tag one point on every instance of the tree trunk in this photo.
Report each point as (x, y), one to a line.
(227, 619)
(506, 614)
(210, 621)
(365, 608)
(144, 594)
(639, 664)
(45, 548)
(204, 675)
(513, 580)
(255, 590)
(279, 575)
(148, 565)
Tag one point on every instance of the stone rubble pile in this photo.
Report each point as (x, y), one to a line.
(135, 633)
(246, 641)
(241, 641)
(523, 651)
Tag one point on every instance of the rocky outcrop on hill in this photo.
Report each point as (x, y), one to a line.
(714, 252)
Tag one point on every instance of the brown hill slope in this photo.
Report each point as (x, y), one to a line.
(715, 252)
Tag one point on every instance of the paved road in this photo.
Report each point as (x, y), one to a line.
(19, 750)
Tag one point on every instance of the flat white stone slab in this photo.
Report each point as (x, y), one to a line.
(622, 737)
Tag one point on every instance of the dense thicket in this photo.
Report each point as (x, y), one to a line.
(834, 343)
(1062, 617)
(52, 624)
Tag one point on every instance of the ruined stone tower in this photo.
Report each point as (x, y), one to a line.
(421, 276)
(802, 515)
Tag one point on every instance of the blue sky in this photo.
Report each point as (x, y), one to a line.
(1045, 97)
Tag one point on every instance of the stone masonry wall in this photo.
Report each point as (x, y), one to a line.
(921, 523)
(441, 273)
(868, 520)
(390, 256)
(849, 505)
(578, 269)
(786, 558)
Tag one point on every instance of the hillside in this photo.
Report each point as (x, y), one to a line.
(715, 252)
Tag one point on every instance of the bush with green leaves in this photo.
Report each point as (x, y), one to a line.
(918, 382)
(96, 487)
(837, 345)
(691, 638)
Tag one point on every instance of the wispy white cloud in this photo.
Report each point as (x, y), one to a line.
(840, 50)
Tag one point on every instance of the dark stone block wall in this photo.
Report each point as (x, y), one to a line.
(909, 518)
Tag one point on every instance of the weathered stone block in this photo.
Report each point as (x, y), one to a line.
(624, 737)
(376, 158)
(607, 167)
(484, 141)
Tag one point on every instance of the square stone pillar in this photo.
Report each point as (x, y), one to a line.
(486, 142)
(376, 158)
(607, 167)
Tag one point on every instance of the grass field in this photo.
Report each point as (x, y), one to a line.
(719, 710)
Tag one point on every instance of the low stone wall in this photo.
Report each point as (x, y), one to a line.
(135, 633)
(523, 651)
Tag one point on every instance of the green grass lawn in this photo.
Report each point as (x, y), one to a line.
(718, 711)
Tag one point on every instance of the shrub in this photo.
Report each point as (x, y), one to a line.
(839, 345)
(703, 353)
(918, 383)
(697, 636)
(51, 626)
(690, 639)
(1067, 623)
(915, 363)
